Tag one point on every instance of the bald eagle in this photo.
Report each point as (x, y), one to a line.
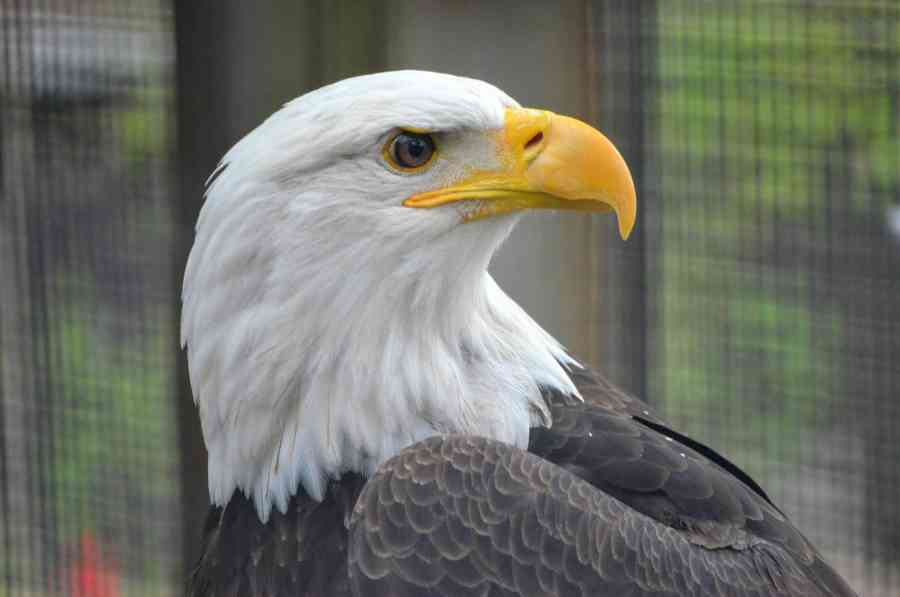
(382, 419)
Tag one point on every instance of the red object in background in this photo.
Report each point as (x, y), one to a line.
(93, 575)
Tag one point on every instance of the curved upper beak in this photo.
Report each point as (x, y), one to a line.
(547, 161)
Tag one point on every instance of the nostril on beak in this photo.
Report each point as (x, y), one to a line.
(534, 141)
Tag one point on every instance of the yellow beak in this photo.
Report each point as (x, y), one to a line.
(547, 162)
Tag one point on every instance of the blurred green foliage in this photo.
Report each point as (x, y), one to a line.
(114, 431)
(773, 118)
(731, 347)
(755, 95)
(143, 126)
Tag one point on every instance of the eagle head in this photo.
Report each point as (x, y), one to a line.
(336, 302)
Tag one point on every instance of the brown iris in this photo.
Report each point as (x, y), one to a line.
(410, 151)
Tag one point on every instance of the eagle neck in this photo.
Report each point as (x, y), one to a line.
(359, 353)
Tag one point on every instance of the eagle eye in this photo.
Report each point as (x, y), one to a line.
(408, 151)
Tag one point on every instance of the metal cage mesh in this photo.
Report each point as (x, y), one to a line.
(757, 303)
(769, 263)
(88, 500)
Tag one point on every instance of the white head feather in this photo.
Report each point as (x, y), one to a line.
(328, 326)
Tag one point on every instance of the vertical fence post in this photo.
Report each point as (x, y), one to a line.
(196, 43)
(625, 63)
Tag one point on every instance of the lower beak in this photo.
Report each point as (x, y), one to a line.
(547, 162)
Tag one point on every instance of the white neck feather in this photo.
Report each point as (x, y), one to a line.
(319, 371)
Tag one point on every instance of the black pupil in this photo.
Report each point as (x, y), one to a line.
(416, 147)
(412, 150)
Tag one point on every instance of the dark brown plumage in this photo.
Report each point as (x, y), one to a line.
(608, 501)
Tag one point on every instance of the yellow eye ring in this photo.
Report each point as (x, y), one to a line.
(410, 151)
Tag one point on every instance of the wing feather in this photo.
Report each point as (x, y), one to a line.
(559, 536)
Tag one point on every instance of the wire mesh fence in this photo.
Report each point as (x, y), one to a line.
(769, 262)
(757, 303)
(88, 502)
